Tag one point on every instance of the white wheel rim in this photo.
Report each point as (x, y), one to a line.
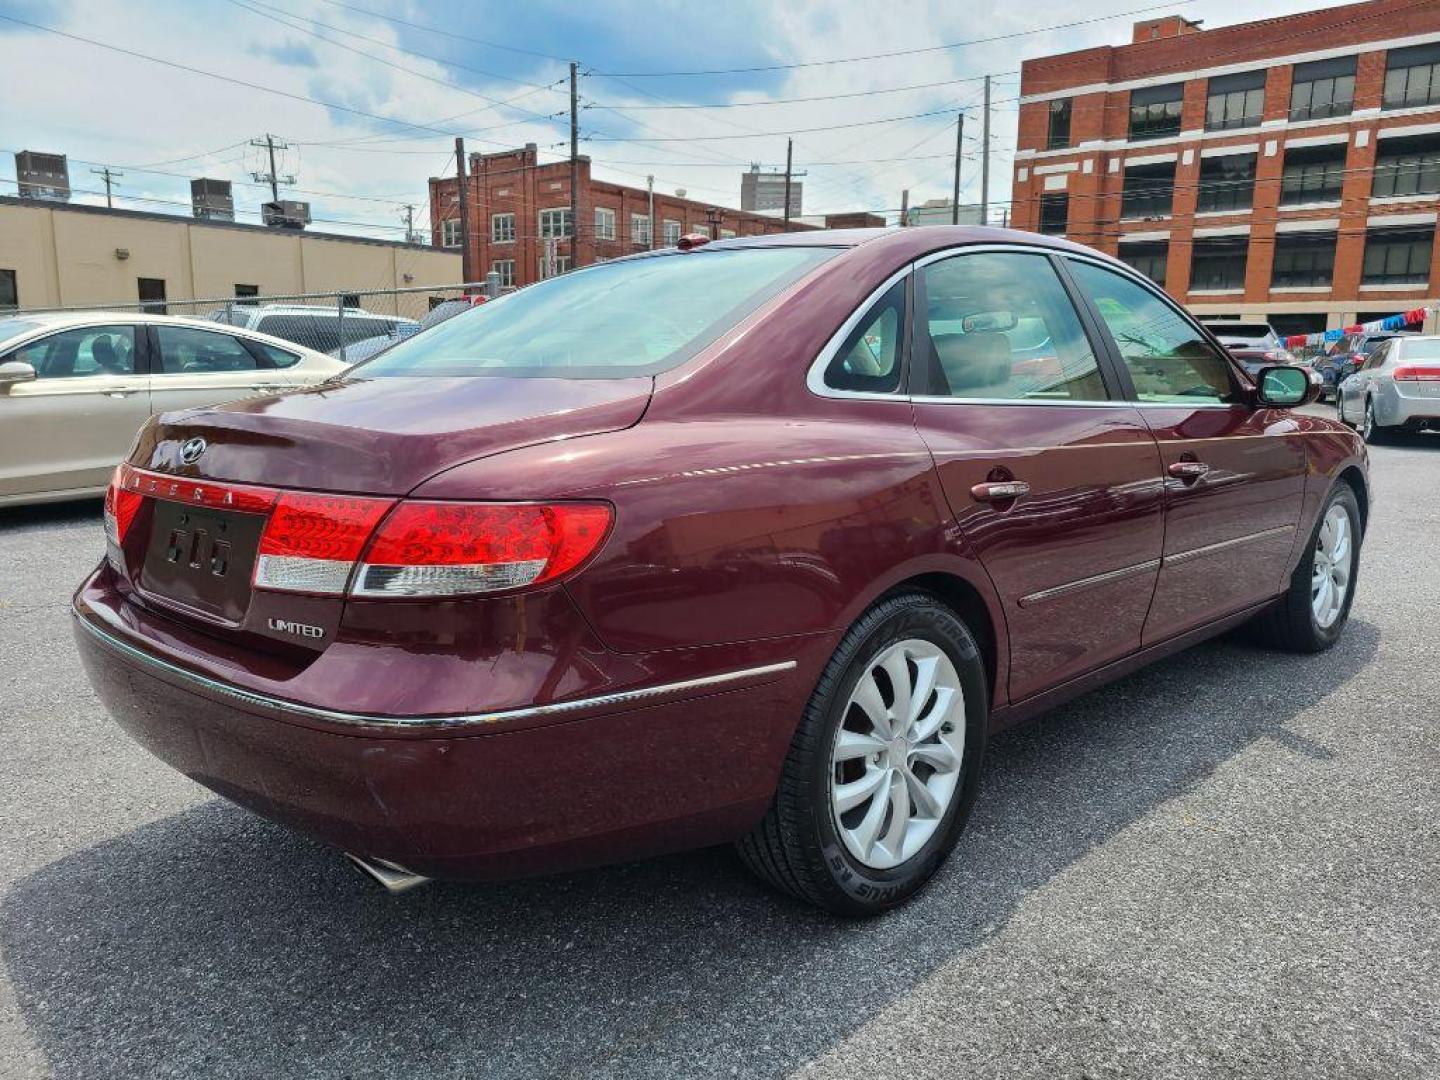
(1330, 573)
(895, 764)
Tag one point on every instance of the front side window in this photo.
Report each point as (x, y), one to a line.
(614, 320)
(1303, 260)
(1167, 356)
(604, 223)
(640, 230)
(1148, 258)
(450, 233)
(1054, 214)
(502, 228)
(1412, 77)
(1218, 263)
(1397, 256)
(1235, 101)
(1407, 166)
(1155, 111)
(1058, 134)
(1226, 183)
(1148, 191)
(869, 359)
(555, 224)
(187, 351)
(1000, 326)
(84, 351)
(1323, 89)
(1313, 174)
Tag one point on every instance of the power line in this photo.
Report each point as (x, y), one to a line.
(780, 134)
(448, 33)
(804, 100)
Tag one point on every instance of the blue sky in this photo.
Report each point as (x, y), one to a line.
(421, 87)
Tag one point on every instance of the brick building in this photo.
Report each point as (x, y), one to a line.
(518, 204)
(1287, 168)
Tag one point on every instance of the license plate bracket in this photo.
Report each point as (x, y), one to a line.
(202, 559)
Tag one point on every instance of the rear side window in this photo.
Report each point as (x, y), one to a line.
(613, 320)
(1168, 359)
(869, 359)
(321, 333)
(1000, 326)
(184, 350)
(277, 356)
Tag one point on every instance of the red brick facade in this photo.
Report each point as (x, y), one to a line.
(1089, 168)
(513, 182)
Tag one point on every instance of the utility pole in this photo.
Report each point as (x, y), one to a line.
(650, 211)
(574, 169)
(955, 187)
(110, 177)
(905, 208)
(409, 209)
(270, 144)
(985, 160)
(789, 161)
(462, 189)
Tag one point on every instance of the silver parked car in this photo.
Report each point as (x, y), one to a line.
(75, 387)
(1397, 389)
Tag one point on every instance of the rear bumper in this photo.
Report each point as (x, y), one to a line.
(604, 781)
(1393, 408)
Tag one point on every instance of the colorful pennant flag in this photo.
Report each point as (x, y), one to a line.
(1376, 326)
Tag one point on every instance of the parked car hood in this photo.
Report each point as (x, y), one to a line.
(384, 436)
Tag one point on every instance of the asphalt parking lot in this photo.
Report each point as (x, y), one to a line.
(1226, 865)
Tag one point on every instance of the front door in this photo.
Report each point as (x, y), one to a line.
(1009, 390)
(68, 429)
(196, 367)
(1234, 474)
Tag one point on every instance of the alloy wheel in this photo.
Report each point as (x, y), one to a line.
(1330, 573)
(895, 764)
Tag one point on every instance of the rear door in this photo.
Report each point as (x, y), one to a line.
(195, 367)
(69, 428)
(1010, 389)
(1234, 475)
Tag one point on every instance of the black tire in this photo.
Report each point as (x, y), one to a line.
(796, 847)
(1372, 432)
(1291, 625)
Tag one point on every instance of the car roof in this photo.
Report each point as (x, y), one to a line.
(60, 320)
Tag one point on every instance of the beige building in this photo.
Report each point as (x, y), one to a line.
(67, 255)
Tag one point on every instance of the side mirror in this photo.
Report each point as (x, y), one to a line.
(15, 371)
(1285, 387)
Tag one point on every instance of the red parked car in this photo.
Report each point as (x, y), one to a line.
(754, 541)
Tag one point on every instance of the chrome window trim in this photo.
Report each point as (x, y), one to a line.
(815, 377)
(420, 723)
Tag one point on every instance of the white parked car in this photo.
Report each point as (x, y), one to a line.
(75, 387)
(318, 327)
(1396, 390)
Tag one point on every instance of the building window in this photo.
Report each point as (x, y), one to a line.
(1058, 133)
(702, 230)
(502, 228)
(672, 233)
(152, 294)
(1155, 111)
(640, 230)
(555, 224)
(1226, 183)
(1054, 213)
(1322, 89)
(561, 265)
(450, 233)
(9, 292)
(1397, 256)
(242, 291)
(1407, 167)
(1313, 174)
(1235, 101)
(1412, 77)
(1303, 260)
(1148, 191)
(727, 234)
(506, 269)
(1218, 263)
(1149, 259)
(604, 223)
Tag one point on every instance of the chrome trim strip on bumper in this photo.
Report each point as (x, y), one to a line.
(1089, 582)
(424, 723)
(1210, 549)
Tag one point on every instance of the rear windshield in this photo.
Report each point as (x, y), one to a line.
(615, 320)
(1421, 349)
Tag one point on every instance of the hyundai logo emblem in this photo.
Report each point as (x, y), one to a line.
(192, 449)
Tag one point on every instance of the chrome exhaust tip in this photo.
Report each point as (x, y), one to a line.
(395, 879)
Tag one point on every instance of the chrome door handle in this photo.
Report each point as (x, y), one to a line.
(996, 491)
(1188, 471)
(120, 393)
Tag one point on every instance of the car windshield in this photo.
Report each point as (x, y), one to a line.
(10, 329)
(1421, 349)
(616, 320)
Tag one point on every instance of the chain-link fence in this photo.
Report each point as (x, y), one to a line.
(349, 325)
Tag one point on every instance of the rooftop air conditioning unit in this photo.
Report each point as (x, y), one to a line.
(286, 214)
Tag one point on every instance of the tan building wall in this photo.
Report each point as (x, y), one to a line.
(65, 256)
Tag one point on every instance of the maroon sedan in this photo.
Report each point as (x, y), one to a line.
(748, 541)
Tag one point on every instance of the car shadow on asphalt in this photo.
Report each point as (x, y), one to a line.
(211, 943)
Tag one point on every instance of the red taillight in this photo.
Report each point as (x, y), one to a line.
(1411, 373)
(311, 542)
(121, 504)
(448, 549)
